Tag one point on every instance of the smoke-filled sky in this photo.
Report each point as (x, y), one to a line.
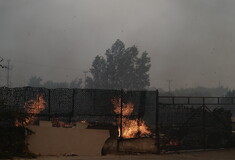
(191, 42)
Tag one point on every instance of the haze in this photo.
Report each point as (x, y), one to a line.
(190, 42)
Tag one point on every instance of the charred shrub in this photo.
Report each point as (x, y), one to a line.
(12, 134)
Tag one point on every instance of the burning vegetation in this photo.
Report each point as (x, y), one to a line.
(32, 108)
(130, 128)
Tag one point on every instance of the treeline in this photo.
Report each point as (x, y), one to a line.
(35, 81)
(120, 67)
(200, 92)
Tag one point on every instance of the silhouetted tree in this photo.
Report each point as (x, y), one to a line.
(98, 71)
(122, 68)
(76, 83)
(228, 99)
(52, 85)
(35, 81)
(230, 93)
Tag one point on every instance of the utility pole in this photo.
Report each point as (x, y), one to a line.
(85, 73)
(8, 68)
(169, 84)
(1, 65)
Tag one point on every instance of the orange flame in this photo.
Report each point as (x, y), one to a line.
(130, 128)
(83, 122)
(32, 107)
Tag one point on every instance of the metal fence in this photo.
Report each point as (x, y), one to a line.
(176, 123)
(194, 122)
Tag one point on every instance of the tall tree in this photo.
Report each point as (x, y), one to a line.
(121, 68)
(98, 71)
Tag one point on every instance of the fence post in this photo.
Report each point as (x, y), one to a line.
(49, 104)
(25, 95)
(142, 107)
(72, 111)
(120, 116)
(204, 127)
(121, 113)
(157, 123)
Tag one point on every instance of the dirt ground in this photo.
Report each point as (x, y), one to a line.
(202, 155)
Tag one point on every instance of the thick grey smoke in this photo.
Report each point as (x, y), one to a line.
(190, 42)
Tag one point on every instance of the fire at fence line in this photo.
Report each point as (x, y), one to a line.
(32, 107)
(131, 128)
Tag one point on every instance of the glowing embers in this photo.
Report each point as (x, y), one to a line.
(130, 128)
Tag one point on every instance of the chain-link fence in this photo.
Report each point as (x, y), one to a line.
(175, 123)
(195, 122)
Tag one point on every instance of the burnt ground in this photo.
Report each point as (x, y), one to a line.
(202, 155)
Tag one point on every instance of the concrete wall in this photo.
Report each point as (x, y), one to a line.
(61, 141)
(136, 145)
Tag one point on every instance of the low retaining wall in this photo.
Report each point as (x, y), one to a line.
(135, 145)
(64, 141)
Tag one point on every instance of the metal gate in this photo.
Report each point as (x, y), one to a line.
(186, 123)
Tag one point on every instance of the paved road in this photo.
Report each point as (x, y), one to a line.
(203, 155)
